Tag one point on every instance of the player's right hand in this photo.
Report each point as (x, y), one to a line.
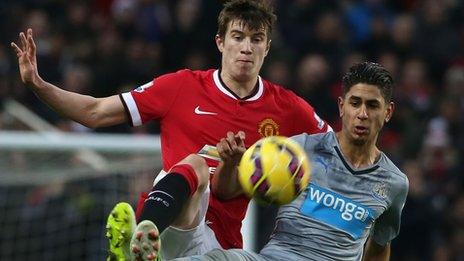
(27, 57)
(231, 148)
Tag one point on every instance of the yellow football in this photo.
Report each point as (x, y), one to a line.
(274, 170)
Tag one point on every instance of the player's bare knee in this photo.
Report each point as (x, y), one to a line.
(200, 167)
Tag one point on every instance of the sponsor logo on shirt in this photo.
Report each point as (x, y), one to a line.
(337, 211)
(201, 112)
(268, 127)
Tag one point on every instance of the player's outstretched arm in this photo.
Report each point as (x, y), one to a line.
(225, 184)
(376, 252)
(89, 111)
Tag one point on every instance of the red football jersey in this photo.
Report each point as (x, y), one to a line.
(195, 108)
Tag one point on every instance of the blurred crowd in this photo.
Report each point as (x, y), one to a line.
(104, 47)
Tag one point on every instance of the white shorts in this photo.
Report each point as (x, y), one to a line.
(176, 242)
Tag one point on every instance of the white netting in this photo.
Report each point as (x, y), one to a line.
(56, 190)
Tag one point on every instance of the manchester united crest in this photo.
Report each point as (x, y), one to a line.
(268, 127)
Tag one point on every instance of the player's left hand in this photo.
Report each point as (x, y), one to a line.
(231, 148)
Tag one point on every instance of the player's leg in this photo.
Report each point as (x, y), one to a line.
(119, 228)
(174, 200)
(225, 255)
(179, 242)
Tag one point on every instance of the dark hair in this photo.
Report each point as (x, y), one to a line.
(255, 14)
(369, 73)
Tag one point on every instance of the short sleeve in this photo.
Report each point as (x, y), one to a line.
(310, 122)
(387, 226)
(152, 100)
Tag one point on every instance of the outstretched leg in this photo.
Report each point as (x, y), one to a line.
(175, 200)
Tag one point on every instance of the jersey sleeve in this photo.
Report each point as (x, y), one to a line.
(310, 122)
(152, 100)
(387, 226)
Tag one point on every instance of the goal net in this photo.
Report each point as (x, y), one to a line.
(57, 189)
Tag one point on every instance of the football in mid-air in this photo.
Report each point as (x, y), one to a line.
(274, 170)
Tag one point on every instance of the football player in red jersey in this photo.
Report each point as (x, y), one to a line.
(195, 109)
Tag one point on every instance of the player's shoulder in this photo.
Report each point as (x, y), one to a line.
(395, 173)
(317, 141)
(285, 98)
(388, 164)
(199, 74)
(279, 91)
(187, 78)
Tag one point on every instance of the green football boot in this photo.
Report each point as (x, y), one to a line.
(119, 229)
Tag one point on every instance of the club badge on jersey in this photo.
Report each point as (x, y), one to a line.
(380, 191)
(268, 127)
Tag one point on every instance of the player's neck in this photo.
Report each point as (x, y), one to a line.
(241, 88)
(359, 156)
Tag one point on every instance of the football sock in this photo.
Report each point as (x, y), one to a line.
(168, 196)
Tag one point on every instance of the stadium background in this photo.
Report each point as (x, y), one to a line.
(103, 47)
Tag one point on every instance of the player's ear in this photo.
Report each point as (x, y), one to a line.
(340, 102)
(267, 48)
(219, 42)
(389, 111)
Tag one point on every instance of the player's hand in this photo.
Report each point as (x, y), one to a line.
(27, 57)
(231, 148)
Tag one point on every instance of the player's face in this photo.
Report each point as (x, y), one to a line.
(364, 111)
(243, 50)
